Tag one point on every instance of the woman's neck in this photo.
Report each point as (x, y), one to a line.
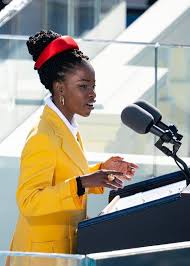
(61, 108)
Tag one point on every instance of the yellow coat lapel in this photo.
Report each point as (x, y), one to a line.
(69, 144)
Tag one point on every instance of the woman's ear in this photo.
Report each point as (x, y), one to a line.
(58, 87)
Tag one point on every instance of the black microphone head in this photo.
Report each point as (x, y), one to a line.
(137, 119)
(150, 109)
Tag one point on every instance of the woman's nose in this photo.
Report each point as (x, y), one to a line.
(92, 93)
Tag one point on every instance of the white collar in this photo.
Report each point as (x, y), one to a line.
(73, 127)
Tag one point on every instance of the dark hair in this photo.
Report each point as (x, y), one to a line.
(57, 66)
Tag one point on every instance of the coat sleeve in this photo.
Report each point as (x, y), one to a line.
(36, 194)
(96, 190)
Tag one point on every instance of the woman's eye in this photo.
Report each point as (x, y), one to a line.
(86, 87)
(83, 86)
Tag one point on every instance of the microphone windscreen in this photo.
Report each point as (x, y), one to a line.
(137, 119)
(150, 109)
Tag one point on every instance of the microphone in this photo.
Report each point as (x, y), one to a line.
(142, 122)
(154, 112)
(157, 118)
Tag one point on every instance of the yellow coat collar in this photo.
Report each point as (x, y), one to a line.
(69, 144)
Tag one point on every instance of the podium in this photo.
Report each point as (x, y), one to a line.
(158, 221)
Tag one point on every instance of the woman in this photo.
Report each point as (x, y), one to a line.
(54, 175)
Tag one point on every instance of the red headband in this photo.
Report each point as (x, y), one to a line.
(58, 45)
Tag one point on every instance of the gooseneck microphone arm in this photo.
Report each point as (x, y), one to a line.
(180, 163)
(185, 169)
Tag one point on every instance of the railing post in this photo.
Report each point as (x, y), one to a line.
(71, 17)
(157, 45)
(97, 11)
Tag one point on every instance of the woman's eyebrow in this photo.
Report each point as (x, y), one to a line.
(84, 80)
(87, 80)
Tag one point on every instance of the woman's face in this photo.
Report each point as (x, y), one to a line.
(79, 91)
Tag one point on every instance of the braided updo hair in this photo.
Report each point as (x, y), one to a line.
(57, 66)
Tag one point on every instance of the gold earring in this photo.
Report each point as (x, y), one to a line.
(62, 100)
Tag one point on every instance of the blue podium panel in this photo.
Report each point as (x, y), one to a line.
(161, 221)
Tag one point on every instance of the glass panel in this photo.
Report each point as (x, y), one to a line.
(9, 173)
(106, 6)
(173, 96)
(89, 13)
(75, 18)
(21, 92)
(171, 255)
(84, 11)
(40, 259)
(57, 16)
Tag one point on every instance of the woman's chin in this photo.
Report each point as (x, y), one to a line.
(86, 114)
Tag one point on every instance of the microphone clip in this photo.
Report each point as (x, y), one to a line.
(174, 130)
(166, 138)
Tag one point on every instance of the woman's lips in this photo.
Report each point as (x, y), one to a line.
(90, 106)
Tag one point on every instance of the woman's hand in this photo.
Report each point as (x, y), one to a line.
(118, 164)
(103, 178)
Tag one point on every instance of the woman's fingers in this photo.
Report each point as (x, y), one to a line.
(114, 172)
(128, 165)
(116, 158)
(112, 180)
(108, 178)
(118, 181)
(128, 168)
(113, 185)
(125, 167)
(133, 165)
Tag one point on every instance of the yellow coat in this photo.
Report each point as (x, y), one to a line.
(50, 208)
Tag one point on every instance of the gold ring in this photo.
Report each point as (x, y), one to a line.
(111, 177)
